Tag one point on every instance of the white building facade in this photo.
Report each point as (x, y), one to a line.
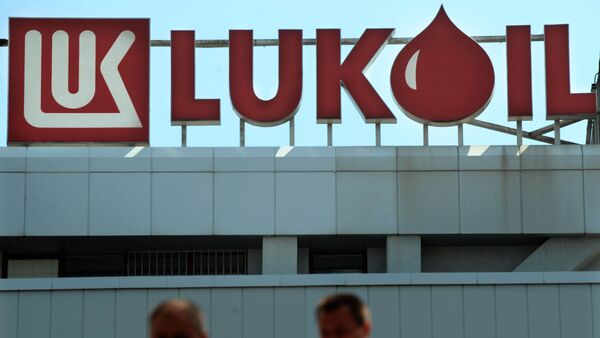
(495, 241)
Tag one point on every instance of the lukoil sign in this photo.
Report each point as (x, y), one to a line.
(87, 80)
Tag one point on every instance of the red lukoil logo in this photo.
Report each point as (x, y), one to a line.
(441, 77)
(79, 80)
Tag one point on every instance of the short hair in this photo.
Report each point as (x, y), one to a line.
(358, 309)
(172, 306)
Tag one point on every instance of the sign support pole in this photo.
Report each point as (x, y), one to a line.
(329, 134)
(597, 119)
(519, 133)
(378, 134)
(460, 135)
(425, 134)
(292, 133)
(556, 132)
(242, 133)
(184, 135)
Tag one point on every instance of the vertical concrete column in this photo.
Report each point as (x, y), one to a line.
(303, 261)
(254, 261)
(280, 255)
(403, 254)
(376, 260)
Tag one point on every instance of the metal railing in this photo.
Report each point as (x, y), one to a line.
(187, 263)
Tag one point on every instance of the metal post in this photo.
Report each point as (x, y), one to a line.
(596, 135)
(242, 133)
(597, 119)
(425, 134)
(329, 134)
(556, 132)
(184, 135)
(519, 133)
(292, 133)
(460, 135)
(378, 134)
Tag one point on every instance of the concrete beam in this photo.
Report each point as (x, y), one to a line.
(280, 255)
(403, 254)
(562, 254)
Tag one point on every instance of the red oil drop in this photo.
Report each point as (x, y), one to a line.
(442, 76)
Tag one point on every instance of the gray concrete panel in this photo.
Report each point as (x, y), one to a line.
(182, 159)
(67, 314)
(479, 311)
(182, 204)
(9, 317)
(490, 202)
(415, 312)
(244, 203)
(365, 158)
(244, 159)
(226, 313)
(591, 156)
(543, 311)
(305, 159)
(12, 204)
(34, 307)
(447, 314)
(489, 158)
(552, 201)
(305, 203)
(428, 202)
(57, 204)
(120, 159)
(290, 312)
(511, 311)
(131, 313)
(120, 204)
(576, 311)
(384, 303)
(366, 203)
(417, 158)
(99, 314)
(58, 159)
(591, 187)
(551, 157)
(13, 159)
(258, 312)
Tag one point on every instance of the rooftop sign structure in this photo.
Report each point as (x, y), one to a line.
(87, 80)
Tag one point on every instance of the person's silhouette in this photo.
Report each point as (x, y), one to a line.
(177, 318)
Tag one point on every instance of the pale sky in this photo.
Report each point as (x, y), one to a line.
(213, 19)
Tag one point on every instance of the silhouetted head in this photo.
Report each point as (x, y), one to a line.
(177, 318)
(343, 316)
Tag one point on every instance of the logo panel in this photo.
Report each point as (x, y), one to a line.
(78, 80)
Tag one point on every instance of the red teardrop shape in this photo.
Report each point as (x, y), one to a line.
(442, 76)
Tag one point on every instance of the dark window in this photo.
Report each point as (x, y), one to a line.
(338, 263)
(93, 266)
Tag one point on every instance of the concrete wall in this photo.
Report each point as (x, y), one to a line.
(512, 305)
(551, 190)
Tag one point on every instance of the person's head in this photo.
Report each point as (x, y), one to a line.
(343, 316)
(177, 318)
